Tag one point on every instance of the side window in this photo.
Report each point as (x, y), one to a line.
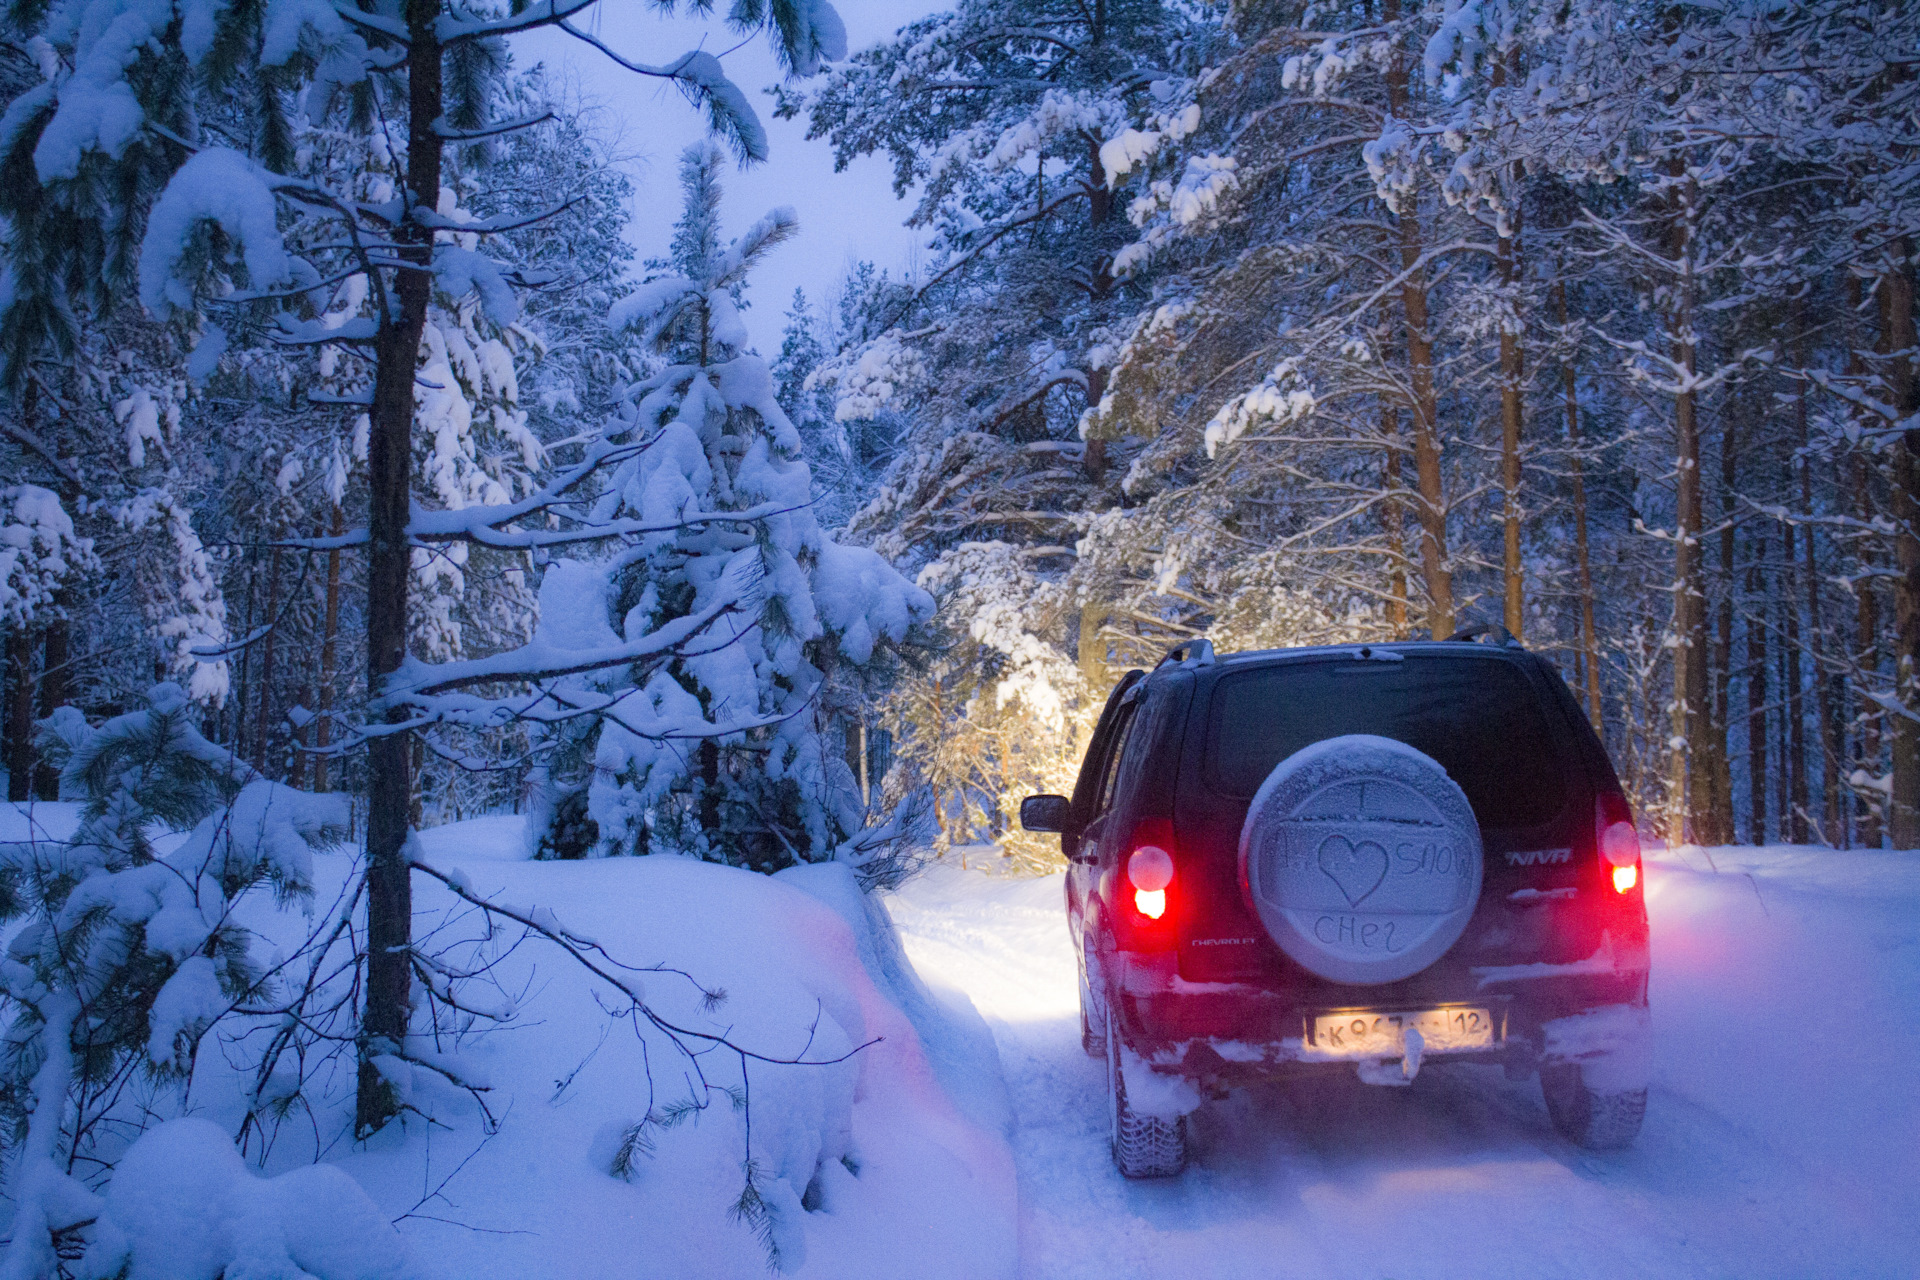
(1099, 760)
(1122, 734)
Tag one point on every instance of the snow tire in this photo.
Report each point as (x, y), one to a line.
(1586, 1117)
(1143, 1146)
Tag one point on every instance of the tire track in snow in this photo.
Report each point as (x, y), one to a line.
(1459, 1175)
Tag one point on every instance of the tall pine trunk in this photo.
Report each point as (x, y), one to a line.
(390, 482)
(1722, 668)
(1583, 567)
(243, 684)
(263, 713)
(329, 660)
(1393, 516)
(55, 655)
(1794, 679)
(1690, 786)
(1436, 569)
(1833, 829)
(1897, 342)
(1512, 376)
(19, 715)
(1866, 659)
(1757, 692)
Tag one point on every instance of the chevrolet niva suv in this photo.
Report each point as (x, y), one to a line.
(1363, 857)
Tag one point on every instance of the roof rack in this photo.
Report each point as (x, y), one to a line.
(1484, 631)
(1197, 652)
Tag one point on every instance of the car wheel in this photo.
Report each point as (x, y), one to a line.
(1587, 1117)
(1143, 1146)
(1093, 1013)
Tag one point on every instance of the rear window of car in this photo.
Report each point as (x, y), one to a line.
(1479, 717)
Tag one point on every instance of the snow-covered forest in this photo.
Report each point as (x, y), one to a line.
(369, 503)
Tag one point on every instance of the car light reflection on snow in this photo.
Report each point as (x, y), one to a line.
(1151, 903)
(1624, 878)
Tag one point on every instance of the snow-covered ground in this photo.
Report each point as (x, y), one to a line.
(927, 1188)
(1782, 1136)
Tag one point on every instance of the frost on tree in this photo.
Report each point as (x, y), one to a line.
(723, 750)
(38, 551)
(128, 956)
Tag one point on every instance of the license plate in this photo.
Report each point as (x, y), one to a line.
(1383, 1035)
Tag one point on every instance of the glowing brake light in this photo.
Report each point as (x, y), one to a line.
(1150, 869)
(1620, 846)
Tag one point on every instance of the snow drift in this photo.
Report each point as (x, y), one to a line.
(882, 1153)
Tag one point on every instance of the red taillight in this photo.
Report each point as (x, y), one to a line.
(1150, 871)
(1619, 842)
(1149, 868)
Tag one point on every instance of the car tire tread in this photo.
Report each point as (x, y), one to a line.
(1587, 1117)
(1143, 1146)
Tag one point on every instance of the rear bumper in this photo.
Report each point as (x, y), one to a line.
(1225, 1033)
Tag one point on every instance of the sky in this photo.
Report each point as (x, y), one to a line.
(844, 216)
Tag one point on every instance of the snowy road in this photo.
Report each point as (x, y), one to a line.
(1782, 1138)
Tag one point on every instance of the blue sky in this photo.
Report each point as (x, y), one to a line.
(843, 216)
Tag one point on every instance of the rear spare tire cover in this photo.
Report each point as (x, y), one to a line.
(1362, 858)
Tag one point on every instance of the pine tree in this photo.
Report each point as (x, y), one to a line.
(130, 957)
(725, 750)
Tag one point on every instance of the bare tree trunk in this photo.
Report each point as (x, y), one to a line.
(1691, 781)
(1796, 708)
(1757, 693)
(1832, 828)
(1094, 460)
(1512, 410)
(1393, 516)
(389, 471)
(1722, 668)
(1092, 651)
(263, 712)
(243, 684)
(329, 657)
(1099, 206)
(1589, 640)
(1783, 676)
(19, 715)
(297, 747)
(1897, 339)
(55, 655)
(1866, 659)
(1435, 567)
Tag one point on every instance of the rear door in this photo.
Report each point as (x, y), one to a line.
(1483, 714)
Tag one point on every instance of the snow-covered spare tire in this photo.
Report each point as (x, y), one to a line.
(1362, 858)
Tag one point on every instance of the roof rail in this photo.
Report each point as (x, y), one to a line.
(1482, 631)
(1198, 652)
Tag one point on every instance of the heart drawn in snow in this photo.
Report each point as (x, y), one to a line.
(1357, 869)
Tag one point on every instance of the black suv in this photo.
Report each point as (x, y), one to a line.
(1362, 858)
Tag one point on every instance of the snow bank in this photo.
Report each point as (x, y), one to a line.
(952, 1033)
(184, 1206)
(891, 1162)
(882, 1153)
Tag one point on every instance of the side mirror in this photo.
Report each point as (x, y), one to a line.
(1046, 813)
